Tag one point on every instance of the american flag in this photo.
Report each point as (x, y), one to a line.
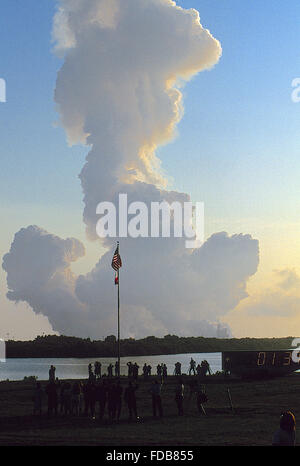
(116, 260)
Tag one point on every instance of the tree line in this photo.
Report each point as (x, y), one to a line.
(54, 346)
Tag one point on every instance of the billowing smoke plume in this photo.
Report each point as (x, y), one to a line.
(173, 292)
(38, 272)
(117, 87)
(118, 92)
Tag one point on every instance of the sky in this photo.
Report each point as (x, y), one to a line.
(236, 149)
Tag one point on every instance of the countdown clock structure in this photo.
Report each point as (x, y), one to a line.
(260, 363)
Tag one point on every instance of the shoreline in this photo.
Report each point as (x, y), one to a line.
(53, 346)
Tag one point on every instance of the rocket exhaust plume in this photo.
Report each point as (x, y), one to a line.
(118, 91)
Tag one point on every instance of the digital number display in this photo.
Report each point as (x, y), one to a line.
(241, 362)
(274, 358)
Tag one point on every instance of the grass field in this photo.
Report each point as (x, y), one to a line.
(257, 406)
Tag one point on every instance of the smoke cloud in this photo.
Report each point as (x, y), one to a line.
(178, 293)
(118, 87)
(118, 91)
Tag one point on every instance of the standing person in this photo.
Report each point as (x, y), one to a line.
(67, 399)
(129, 365)
(193, 388)
(206, 367)
(110, 370)
(52, 398)
(149, 370)
(90, 398)
(38, 399)
(75, 400)
(97, 369)
(85, 392)
(135, 371)
(101, 396)
(145, 371)
(81, 397)
(52, 373)
(61, 397)
(286, 434)
(130, 398)
(118, 392)
(90, 369)
(112, 401)
(177, 370)
(158, 370)
(179, 391)
(192, 367)
(155, 391)
(165, 371)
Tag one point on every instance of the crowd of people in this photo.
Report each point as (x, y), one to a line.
(101, 394)
(200, 370)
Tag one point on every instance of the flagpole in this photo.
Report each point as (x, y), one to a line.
(119, 365)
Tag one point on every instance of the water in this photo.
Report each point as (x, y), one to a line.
(77, 368)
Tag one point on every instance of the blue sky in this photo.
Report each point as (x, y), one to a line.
(237, 146)
(239, 128)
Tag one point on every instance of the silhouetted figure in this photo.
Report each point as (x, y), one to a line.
(129, 365)
(101, 396)
(75, 399)
(205, 368)
(90, 369)
(130, 398)
(89, 393)
(177, 370)
(286, 434)
(92, 395)
(158, 370)
(97, 369)
(112, 402)
(193, 386)
(156, 398)
(118, 394)
(192, 367)
(81, 397)
(61, 400)
(164, 371)
(135, 371)
(52, 374)
(110, 370)
(145, 371)
(149, 369)
(38, 399)
(179, 392)
(67, 399)
(85, 398)
(52, 398)
(199, 370)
